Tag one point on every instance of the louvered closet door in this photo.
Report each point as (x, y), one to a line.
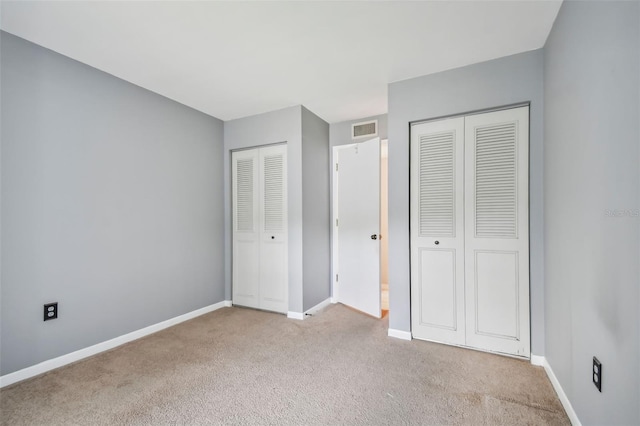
(273, 225)
(259, 182)
(497, 231)
(437, 231)
(246, 228)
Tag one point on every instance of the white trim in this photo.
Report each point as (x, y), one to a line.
(295, 315)
(228, 303)
(334, 228)
(63, 360)
(319, 306)
(573, 417)
(399, 334)
(537, 360)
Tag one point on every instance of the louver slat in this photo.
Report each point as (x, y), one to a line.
(496, 181)
(244, 192)
(437, 202)
(273, 193)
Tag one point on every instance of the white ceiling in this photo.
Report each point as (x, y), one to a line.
(234, 59)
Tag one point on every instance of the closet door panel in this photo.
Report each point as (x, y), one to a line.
(497, 230)
(246, 235)
(273, 225)
(437, 231)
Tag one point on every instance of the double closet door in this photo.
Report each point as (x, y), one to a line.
(259, 182)
(470, 231)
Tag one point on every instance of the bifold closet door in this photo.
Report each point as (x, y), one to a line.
(259, 205)
(437, 231)
(470, 231)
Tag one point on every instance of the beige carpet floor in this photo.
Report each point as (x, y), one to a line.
(240, 366)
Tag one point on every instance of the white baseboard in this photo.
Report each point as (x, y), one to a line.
(573, 417)
(319, 306)
(537, 360)
(399, 334)
(334, 300)
(295, 315)
(50, 364)
(302, 315)
(227, 303)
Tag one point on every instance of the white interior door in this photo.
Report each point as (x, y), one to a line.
(260, 248)
(437, 231)
(357, 213)
(497, 231)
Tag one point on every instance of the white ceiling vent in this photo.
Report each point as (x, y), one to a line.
(364, 129)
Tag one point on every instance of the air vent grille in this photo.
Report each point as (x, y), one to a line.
(365, 129)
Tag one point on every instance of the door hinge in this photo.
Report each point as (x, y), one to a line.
(336, 277)
(336, 167)
(336, 222)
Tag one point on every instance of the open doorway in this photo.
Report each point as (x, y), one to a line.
(384, 228)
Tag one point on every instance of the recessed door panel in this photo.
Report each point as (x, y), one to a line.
(496, 291)
(246, 279)
(273, 293)
(438, 288)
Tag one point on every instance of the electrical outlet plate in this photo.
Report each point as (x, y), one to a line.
(597, 373)
(50, 311)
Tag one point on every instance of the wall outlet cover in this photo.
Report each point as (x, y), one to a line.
(50, 311)
(597, 373)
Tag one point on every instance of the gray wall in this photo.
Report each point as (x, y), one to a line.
(504, 81)
(110, 206)
(273, 127)
(316, 229)
(591, 157)
(340, 133)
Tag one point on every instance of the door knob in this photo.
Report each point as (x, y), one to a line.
(437, 242)
(374, 236)
(273, 238)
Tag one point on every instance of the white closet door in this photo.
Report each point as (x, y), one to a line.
(246, 228)
(273, 226)
(497, 231)
(259, 191)
(437, 231)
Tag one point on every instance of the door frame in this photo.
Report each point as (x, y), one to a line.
(464, 114)
(334, 216)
